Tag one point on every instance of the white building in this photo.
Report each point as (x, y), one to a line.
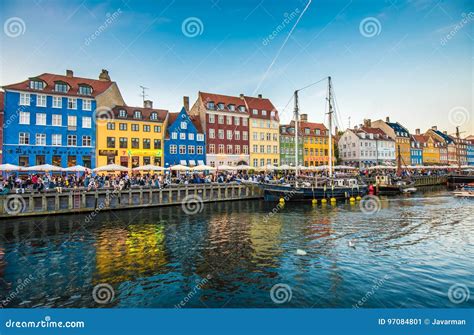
(366, 146)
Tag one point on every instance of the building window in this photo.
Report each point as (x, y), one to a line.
(86, 104)
(220, 106)
(220, 119)
(86, 122)
(85, 90)
(199, 149)
(57, 120)
(242, 108)
(184, 125)
(174, 135)
(71, 140)
(220, 134)
(182, 136)
(137, 115)
(232, 108)
(23, 161)
(40, 159)
(146, 128)
(56, 140)
(254, 111)
(72, 103)
(210, 105)
(221, 149)
(123, 113)
(41, 100)
(86, 141)
(123, 143)
(110, 142)
(212, 133)
(154, 116)
(36, 84)
(40, 139)
(25, 99)
(71, 161)
(229, 120)
(56, 160)
(61, 87)
(191, 149)
(182, 149)
(255, 148)
(200, 137)
(24, 117)
(191, 136)
(146, 143)
(245, 122)
(237, 149)
(212, 148)
(245, 136)
(146, 160)
(264, 112)
(237, 135)
(135, 127)
(157, 144)
(135, 143)
(173, 149)
(86, 161)
(229, 134)
(157, 129)
(72, 121)
(237, 121)
(229, 149)
(40, 119)
(122, 126)
(57, 102)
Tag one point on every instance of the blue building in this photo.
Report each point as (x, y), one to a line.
(470, 151)
(185, 141)
(416, 152)
(50, 119)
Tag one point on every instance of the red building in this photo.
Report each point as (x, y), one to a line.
(2, 96)
(225, 120)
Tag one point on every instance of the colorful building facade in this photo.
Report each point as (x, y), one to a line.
(185, 142)
(470, 150)
(51, 119)
(400, 134)
(264, 140)
(448, 149)
(315, 143)
(287, 145)
(416, 151)
(132, 136)
(225, 121)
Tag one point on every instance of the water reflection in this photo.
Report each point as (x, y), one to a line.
(155, 257)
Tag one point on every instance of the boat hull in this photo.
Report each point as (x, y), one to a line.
(276, 192)
(460, 179)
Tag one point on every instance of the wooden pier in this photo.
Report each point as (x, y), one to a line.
(79, 201)
(430, 180)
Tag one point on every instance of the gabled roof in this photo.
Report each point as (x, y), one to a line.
(398, 127)
(261, 104)
(313, 126)
(98, 86)
(146, 112)
(445, 137)
(421, 138)
(225, 99)
(375, 131)
(196, 120)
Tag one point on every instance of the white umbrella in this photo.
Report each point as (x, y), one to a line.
(203, 168)
(285, 167)
(110, 167)
(179, 167)
(11, 167)
(225, 167)
(344, 167)
(44, 168)
(243, 167)
(302, 167)
(77, 168)
(270, 167)
(149, 167)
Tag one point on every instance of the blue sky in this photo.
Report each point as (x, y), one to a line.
(402, 68)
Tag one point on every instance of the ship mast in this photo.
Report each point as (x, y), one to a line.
(330, 111)
(296, 117)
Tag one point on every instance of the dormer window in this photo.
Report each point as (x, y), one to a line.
(154, 116)
(210, 105)
(85, 90)
(36, 84)
(272, 114)
(317, 132)
(220, 106)
(254, 111)
(61, 87)
(137, 115)
(264, 112)
(123, 113)
(307, 131)
(232, 108)
(242, 108)
(283, 129)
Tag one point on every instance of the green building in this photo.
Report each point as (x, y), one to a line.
(287, 145)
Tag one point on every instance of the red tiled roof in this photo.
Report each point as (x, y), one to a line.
(172, 117)
(261, 104)
(98, 86)
(225, 99)
(146, 112)
(375, 131)
(196, 120)
(313, 126)
(421, 138)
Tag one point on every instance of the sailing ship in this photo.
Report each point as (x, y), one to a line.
(314, 188)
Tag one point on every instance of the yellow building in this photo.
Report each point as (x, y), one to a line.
(430, 149)
(315, 143)
(401, 136)
(131, 136)
(264, 129)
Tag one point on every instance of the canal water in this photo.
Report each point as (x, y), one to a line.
(402, 252)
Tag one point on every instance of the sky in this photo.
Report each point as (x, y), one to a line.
(411, 60)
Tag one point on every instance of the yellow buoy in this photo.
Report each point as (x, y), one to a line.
(323, 201)
(359, 198)
(282, 200)
(314, 201)
(352, 199)
(333, 199)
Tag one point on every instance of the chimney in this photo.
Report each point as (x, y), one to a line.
(434, 127)
(104, 75)
(69, 73)
(260, 96)
(445, 132)
(148, 104)
(186, 103)
(367, 123)
(417, 131)
(387, 119)
(304, 117)
(241, 95)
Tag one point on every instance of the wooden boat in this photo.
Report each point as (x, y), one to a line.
(386, 185)
(466, 191)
